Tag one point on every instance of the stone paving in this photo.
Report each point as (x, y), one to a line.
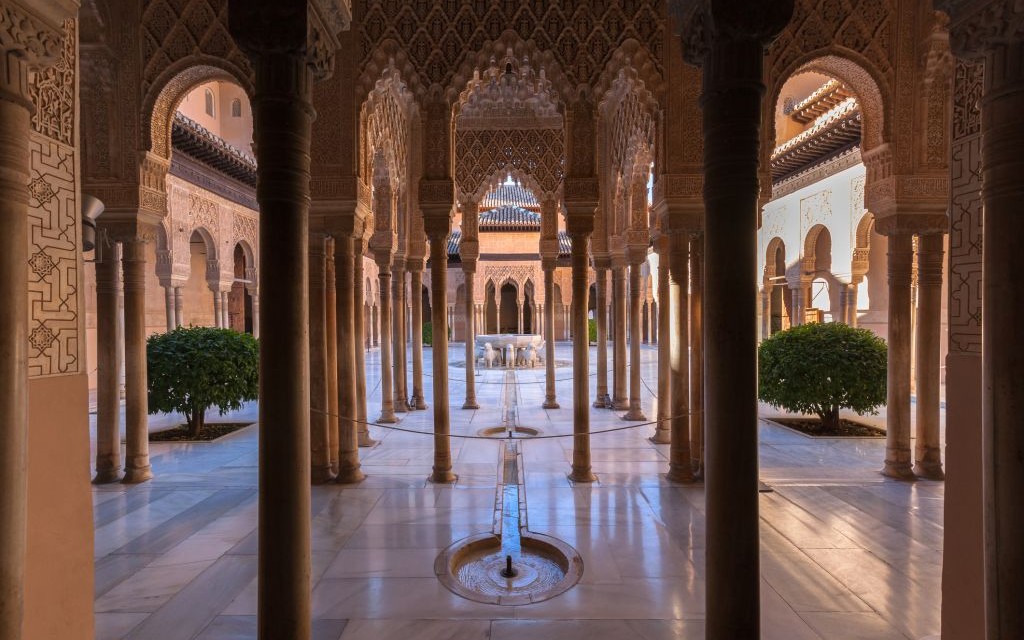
(846, 553)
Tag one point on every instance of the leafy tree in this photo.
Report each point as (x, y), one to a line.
(192, 369)
(592, 330)
(822, 368)
(428, 333)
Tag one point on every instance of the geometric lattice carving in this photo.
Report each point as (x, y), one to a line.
(53, 260)
(965, 232)
(481, 155)
(438, 36)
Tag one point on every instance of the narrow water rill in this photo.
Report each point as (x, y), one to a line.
(509, 565)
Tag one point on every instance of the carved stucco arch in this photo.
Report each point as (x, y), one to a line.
(636, 60)
(498, 176)
(390, 53)
(810, 253)
(770, 270)
(386, 117)
(171, 87)
(865, 227)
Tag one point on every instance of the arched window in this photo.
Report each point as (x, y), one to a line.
(211, 106)
(236, 108)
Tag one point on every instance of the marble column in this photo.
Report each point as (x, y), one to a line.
(348, 430)
(169, 306)
(331, 325)
(217, 317)
(283, 115)
(797, 293)
(550, 394)
(442, 469)
(733, 105)
(359, 329)
(418, 399)
(387, 398)
(469, 274)
(766, 309)
(225, 318)
(928, 446)
(1003, 307)
(635, 412)
(697, 354)
(852, 290)
(679, 468)
(319, 429)
(108, 363)
(619, 398)
(137, 467)
(663, 430)
(398, 334)
(255, 314)
(520, 310)
(581, 467)
(600, 303)
(179, 308)
(897, 437)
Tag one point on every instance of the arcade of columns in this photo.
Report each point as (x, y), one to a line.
(325, 196)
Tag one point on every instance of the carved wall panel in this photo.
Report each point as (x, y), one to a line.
(538, 153)
(965, 232)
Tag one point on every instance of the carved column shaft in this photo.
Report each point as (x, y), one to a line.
(635, 338)
(442, 470)
(928, 447)
(897, 437)
(418, 399)
(387, 398)
(108, 365)
(348, 428)
(137, 467)
(319, 430)
(663, 430)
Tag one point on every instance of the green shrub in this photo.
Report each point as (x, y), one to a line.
(592, 330)
(822, 368)
(428, 333)
(192, 369)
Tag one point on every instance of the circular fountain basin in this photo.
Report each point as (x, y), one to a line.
(545, 568)
(502, 432)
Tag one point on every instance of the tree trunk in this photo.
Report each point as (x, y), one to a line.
(196, 418)
(830, 419)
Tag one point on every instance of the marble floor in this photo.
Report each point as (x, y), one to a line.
(846, 553)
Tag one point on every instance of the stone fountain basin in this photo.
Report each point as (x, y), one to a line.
(546, 567)
(502, 340)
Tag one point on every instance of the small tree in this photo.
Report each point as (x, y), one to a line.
(822, 368)
(192, 369)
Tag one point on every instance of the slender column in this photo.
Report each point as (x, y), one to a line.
(928, 449)
(137, 467)
(179, 308)
(732, 105)
(319, 430)
(348, 430)
(897, 437)
(418, 399)
(766, 310)
(108, 365)
(331, 324)
(255, 314)
(469, 272)
(663, 430)
(442, 471)
(1003, 360)
(550, 397)
(852, 290)
(697, 354)
(169, 306)
(359, 328)
(635, 412)
(619, 399)
(520, 310)
(581, 468)
(798, 304)
(225, 308)
(679, 468)
(217, 317)
(600, 303)
(387, 398)
(398, 335)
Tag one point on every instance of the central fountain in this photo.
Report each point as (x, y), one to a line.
(509, 565)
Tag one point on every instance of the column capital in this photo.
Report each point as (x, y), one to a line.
(30, 39)
(978, 27)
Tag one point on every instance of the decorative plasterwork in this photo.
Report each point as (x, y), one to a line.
(483, 155)
(832, 166)
(52, 91)
(387, 115)
(508, 94)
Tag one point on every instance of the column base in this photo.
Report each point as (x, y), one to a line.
(419, 403)
(551, 404)
(387, 418)
(322, 476)
(679, 474)
(137, 475)
(599, 403)
(107, 476)
(443, 477)
(582, 475)
(350, 475)
(365, 441)
(470, 404)
(898, 470)
(401, 407)
(929, 470)
(661, 436)
(619, 403)
(635, 415)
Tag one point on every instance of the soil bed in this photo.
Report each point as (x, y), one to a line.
(209, 433)
(847, 428)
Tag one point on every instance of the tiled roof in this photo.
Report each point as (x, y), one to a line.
(509, 218)
(453, 243)
(834, 132)
(509, 194)
(190, 138)
(564, 244)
